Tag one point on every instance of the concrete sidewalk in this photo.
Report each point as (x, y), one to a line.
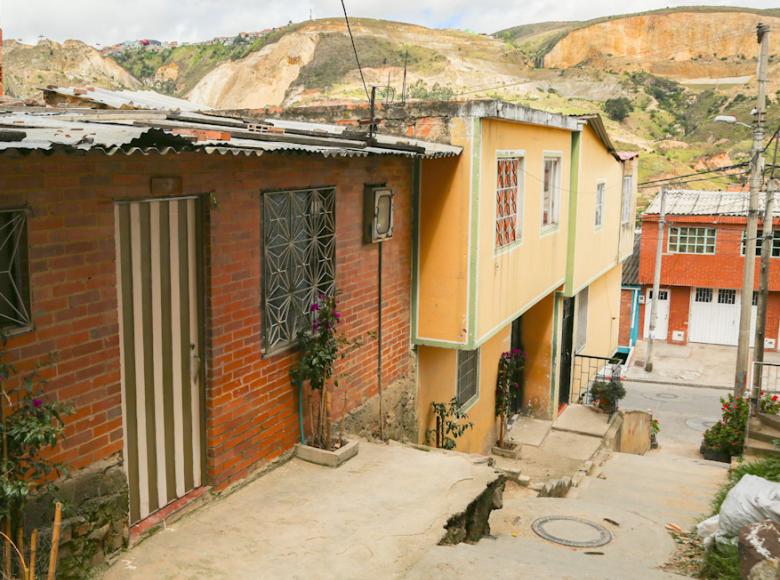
(373, 517)
(690, 365)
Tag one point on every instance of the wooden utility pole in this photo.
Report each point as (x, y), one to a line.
(756, 177)
(767, 243)
(659, 251)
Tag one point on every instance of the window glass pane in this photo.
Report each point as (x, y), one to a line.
(508, 201)
(582, 320)
(703, 295)
(298, 259)
(687, 240)
(551, 191)
(599, 219)
(14, 281)
(468, 375)
(727, 296)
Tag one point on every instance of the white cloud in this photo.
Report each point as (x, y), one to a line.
(110, 21)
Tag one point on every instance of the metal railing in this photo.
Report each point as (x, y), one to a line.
(766, 376)
(586, 370)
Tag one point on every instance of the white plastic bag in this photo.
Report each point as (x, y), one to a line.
(753, 499)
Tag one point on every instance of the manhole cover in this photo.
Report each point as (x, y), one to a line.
(660, 396)
(571, 531)
(699, 424)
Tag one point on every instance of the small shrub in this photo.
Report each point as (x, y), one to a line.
(510, 373)
(728, 435)
(618, 109)
(608, 393)
(451, 423)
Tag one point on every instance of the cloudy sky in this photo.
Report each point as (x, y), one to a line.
(110, 21)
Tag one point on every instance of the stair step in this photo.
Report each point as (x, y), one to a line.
(765, 433)
(757, 447)
(770, 420)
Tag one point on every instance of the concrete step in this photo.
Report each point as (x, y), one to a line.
(762, 448)
(770, 420)
(765, 433)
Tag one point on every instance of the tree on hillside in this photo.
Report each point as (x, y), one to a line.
(618, 109)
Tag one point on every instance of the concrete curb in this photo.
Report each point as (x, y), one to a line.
(677, 384)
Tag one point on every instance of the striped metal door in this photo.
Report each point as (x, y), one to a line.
(159, 257)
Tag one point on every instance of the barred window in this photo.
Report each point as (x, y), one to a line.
(760, 241)
(600, 204)
(688, 240)
(468, 376)
(14, 275)
(509, 221)
(628, 191)
(703, 295)
(551, 192)
(298, 259)
(727, 296)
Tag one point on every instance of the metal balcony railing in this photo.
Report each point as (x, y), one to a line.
(586, 370)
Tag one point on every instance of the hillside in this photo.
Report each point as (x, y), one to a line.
(72, 63)
(675, 69)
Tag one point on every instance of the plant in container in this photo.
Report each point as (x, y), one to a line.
(451, 423)
(727, 437)
(606, 394)
(321, 345)
(510, 373)
(655, 429)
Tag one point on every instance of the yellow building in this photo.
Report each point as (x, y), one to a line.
(520, 245)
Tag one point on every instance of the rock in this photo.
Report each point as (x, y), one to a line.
(766, 570)
(758, 542)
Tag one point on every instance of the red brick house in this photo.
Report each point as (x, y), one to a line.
(166, 259)
(701, 275)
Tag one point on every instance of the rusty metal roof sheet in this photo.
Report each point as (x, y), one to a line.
(126, 99)
(703, 203)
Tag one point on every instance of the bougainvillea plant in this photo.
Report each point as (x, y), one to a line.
(451, 423)
(321, 345)
(728, 434)
(30, 423)
(510, 375)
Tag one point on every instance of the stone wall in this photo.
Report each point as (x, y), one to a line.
(94, 518)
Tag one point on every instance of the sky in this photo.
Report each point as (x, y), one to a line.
(104, 22)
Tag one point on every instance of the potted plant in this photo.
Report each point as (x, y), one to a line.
(606, 394)
(510, 372)
(321, 345)
(726, 437)
(655, 429)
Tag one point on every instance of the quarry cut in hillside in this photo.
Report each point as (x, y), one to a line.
(27, 68)
(678, 44)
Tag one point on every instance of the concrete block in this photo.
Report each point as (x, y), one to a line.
(325, 457)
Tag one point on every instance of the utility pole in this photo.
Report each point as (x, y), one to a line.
(756, 178)
(767, 242)
(656, 280)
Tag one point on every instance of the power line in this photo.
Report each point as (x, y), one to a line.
(354, 49)
(703, 172)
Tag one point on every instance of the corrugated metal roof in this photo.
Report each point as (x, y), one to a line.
(126, 99)
(627, 155)
(158, 131)
(631, 264)
(701, 202)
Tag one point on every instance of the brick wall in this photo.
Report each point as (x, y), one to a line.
(251, 406)
(626, 303)
(722, 270)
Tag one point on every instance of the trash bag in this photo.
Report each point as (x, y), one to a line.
(753, 499)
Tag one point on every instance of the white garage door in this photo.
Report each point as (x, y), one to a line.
(714, 317)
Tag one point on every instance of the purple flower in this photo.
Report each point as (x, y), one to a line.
(337, 315)
(37, 403)
(315, 326)
(314, 307)
(515, 351)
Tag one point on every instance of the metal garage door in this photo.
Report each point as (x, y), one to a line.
(662, 322)
(714, 316)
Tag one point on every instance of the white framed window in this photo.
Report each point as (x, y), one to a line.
(760, 241)
(551, 191)
(600, 191)
(691, 240)
(628, 191)
(509, 198)
(582, 320)
(468, 377)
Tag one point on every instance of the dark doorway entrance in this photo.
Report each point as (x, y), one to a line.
(567, 343)
(517, 343)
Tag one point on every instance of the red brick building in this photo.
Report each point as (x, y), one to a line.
(702, 268)
(163, 259)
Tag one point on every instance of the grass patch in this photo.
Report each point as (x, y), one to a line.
(721, 563)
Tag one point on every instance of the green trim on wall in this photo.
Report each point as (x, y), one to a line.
(416, 185)
(476, 159)
(571, 242)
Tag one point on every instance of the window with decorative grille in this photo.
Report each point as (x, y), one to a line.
(468, 375)
(298, 259)
(14, 277)
(687, 240)
(727, 296)
(551, 191)
(509, 220)
(703, 295)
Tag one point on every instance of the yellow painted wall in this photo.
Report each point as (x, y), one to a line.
(603, 314)
(437, 383)
(628, 230)
(513, 278)
(597, 249)
(444, 229)
(537, 338)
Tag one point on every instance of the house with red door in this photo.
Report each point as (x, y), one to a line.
(168, 259)
(702, 268)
